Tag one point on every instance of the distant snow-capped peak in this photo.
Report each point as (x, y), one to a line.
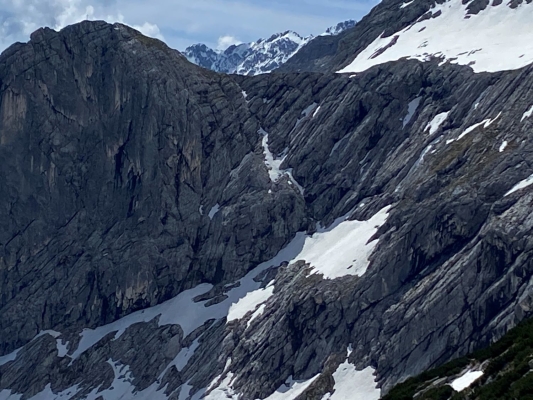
(261, 56)
(340, 27)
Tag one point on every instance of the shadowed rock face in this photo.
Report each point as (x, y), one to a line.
(114, 149)
(115, 152)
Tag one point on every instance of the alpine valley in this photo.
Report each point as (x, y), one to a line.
(357, 217)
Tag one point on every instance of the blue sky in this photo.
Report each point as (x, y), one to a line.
(182, 22)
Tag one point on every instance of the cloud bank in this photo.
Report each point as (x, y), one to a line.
(181, 23)
(19, 18)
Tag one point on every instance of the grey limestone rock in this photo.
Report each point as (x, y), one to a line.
(130, 175)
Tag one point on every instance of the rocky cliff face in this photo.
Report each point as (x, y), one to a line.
(176, 233)
(111, 167)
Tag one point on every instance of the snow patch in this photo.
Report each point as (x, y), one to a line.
(185, 391)
(343, 249)
(223, 391)
(181, 310)
(9, 357)
(183, 357)
(9, 395)
(309, 109)
(250, 302)
(291, 389)
(62, 347)
(184, 311)
(411, 109)
(260, 310)
(316, 112)
(273, 164)
(436, 122)
(503, 146)
(353, 384)
(496, 39)
(213, 211)
(520, 185)
(248, 296)
(527, 114)
(122, 387)
(48, 394)
(466, 380)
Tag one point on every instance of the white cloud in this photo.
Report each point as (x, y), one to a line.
(149, 29)
(226, 41)
(19, 18)
(182, 22)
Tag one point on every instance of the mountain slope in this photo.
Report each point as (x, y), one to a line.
(256, 57)
(175, 233)
(468, 33)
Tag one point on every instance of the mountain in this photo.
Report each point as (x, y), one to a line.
(170, 232)
(256, 57)
(339, 28)
(467, 34)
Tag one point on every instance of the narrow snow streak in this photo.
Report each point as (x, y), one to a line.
(485, 123)
(496, 39)
(273, 164)
(260, 310)
(527, 114)
(48, 394)
(520, 185)
(466, 380)
(503, 146)
(213, 211)
(309, 109)
(408, 3)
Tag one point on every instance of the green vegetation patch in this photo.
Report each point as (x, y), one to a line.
(508, 374)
